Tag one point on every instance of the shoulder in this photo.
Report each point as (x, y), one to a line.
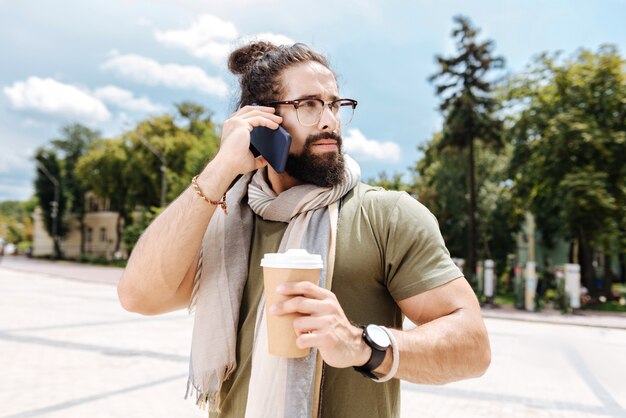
(371, 196)
(376, 200)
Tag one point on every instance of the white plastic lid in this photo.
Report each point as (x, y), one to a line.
(295, 258)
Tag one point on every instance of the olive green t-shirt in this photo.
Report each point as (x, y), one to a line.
(389, 248)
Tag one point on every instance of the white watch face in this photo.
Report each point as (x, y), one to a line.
(378, 335)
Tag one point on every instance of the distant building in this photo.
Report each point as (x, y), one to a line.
(100, 227)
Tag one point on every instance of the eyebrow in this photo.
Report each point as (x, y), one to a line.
(316, 96)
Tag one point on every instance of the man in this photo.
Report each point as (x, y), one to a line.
(383, 254)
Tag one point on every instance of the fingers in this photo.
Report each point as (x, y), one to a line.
(260, 162)
(247, 112)
(308, 340)
(304, 288)
(317, 331)
(310, 330)
(304, 306)
(249, 108)
(262, 120)
(308, 324)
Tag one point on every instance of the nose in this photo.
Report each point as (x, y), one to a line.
(329, 121)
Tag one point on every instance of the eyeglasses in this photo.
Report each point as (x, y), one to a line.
(309, 111)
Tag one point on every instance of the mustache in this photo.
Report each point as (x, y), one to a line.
(324, 135)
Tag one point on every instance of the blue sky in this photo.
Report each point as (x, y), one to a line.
(110, 63)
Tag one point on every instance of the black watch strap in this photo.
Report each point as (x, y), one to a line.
(376, 358)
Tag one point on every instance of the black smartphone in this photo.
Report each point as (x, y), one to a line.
(272, 144)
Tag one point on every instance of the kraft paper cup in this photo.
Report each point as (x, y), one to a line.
(291, 266)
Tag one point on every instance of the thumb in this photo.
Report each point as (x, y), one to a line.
(260, 162)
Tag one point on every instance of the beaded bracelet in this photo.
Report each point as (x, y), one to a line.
(221, 203)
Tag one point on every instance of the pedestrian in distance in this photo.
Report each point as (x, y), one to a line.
(384, 259)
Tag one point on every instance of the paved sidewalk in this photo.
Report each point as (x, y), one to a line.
(111, 275)
(67, 350)
(64, 269)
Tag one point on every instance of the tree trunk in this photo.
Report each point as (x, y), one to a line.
(58, 254)
(81, 221)
(585, 259)
(118, 231)
(622, 267)
(609, 277)
(471, 257)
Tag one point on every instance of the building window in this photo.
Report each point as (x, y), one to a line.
(103, 234)
(89, 233)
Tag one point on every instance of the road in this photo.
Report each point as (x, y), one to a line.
(68, 350)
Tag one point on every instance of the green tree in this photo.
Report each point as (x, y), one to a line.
(439, 173)
(395, 182)
(127, 170)
(16, 222)
(51, 196)
(468, 107)
(186, 142)
(105, 171)
(73, 144)
(569, 134)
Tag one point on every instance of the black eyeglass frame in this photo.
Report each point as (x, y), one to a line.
(295, 103)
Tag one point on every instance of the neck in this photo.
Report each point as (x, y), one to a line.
(281, 181)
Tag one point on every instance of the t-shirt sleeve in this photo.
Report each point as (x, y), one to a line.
(416, 258)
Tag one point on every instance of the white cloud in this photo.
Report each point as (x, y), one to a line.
(143, 21)
(208, 37)
(125, 99)
(21, 189)
(212, 38)
(49, 96)
(10, 162)
(148, 71)
(355, 143)
(274, 38)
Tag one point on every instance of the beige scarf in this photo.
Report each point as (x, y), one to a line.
(279, 387)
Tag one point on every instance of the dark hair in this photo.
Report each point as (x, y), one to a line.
(259, 66)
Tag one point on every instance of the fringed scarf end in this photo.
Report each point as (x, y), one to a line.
(204, 400)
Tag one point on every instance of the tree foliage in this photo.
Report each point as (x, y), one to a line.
(74, 141)
(127, 171)
(16, 222)
(441, 176)
(570, 147)
(468, 106)
(50, 193)
(393, 182)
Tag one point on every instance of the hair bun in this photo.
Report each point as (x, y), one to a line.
(241, 59)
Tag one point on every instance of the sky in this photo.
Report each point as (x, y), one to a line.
(108, 64)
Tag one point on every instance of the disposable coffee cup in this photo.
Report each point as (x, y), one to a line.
(292, 266)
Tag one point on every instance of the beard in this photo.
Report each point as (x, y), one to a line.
(322, 170)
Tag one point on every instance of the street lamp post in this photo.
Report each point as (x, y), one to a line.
(163, 168)
(55, 206)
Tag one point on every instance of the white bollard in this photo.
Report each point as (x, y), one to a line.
(531, 285)
(489, 281)
(572, 284)
(480, 276)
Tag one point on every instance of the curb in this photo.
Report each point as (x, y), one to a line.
(611, 321)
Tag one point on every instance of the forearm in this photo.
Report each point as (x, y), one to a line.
(169, 247)
(449, 348)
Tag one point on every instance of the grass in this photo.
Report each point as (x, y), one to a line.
(91, 260)
(606, 307)
(506, 299)
(620, 288)
(612, 306)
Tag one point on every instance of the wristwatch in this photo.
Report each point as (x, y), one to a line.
(378, 340)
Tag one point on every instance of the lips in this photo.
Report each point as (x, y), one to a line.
(325, 142)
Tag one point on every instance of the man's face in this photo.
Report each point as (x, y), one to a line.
(315, 154)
